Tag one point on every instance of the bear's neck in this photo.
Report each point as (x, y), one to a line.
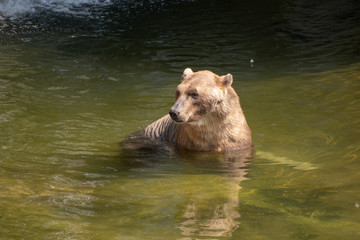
(216, 132)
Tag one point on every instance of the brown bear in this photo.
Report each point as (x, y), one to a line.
(206, 116)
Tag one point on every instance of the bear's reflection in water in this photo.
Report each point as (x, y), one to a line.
(210, 201)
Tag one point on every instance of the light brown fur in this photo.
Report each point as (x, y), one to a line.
(206, 116)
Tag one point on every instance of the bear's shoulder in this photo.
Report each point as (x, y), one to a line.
(163, 129)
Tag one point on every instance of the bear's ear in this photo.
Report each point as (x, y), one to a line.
(226, 81)
(187, 72)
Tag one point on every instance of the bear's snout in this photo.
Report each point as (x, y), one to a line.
(174, 114)
(175, 111)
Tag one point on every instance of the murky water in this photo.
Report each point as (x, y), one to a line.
(77, 79)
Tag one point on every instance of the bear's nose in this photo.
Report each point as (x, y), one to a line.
(174, 114)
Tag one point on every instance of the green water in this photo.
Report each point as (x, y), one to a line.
(73, 87)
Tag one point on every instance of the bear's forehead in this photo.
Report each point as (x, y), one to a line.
(198, 86)
(200, 79)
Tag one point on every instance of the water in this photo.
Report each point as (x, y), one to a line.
(77, 77)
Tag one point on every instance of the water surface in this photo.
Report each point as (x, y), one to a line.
(76, 80)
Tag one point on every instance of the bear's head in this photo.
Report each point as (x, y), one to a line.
(200, 96)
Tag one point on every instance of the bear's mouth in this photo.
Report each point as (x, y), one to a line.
(181, 121)
(178, 121)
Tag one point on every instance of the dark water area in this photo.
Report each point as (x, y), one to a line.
(77, 77)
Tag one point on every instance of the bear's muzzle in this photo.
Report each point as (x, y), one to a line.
(175, 111)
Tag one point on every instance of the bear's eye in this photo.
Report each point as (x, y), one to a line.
(194, 95)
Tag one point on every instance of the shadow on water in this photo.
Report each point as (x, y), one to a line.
(209, 206)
